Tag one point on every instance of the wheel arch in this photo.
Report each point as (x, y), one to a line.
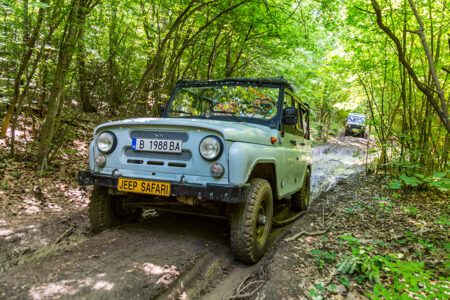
(267, 171)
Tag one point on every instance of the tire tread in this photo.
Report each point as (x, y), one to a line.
(242, 239)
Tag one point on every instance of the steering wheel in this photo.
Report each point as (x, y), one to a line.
(259, 108)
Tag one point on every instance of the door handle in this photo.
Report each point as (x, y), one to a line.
(302, 143)
(293, 142)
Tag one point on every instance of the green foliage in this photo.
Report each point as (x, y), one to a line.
(39, 4)
(344, 280)
(441, 181)
(443, 220)
(360, 262)
(350, 239)
(384, 203)
(410, 180)
(322, 257)
(410, 278)
(395, 184)
(411, 210)
(438, 180)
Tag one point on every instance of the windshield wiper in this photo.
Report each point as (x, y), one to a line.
(181, 112)
(229, 113)
(226, 114)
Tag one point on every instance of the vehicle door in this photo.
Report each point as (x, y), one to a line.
(292, 155)
(303, 132)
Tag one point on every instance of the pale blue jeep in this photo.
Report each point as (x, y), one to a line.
(230, 148)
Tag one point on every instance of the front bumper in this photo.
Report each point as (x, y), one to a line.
(354, 130)
(210, 192)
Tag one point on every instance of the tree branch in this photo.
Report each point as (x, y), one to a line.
(367, 11)
(443, 116)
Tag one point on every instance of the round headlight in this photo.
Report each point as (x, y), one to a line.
(106, 142)
(211, 148)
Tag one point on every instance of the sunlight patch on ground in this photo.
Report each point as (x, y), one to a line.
(168, 274)
(31, 206)
(103, 285)
(5, 232)
(54, 206)
(69, 287)
(80, 147)
(74, 194)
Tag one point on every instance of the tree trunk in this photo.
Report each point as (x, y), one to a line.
(30, 44)
(64, 59)
(442, 111)
(81, 66)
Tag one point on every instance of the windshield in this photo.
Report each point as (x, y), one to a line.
(359, 119)
(236, 102)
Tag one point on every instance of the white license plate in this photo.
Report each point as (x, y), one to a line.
(155, 145)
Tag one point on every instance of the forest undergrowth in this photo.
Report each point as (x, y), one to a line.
(383, 244)
(24, 191)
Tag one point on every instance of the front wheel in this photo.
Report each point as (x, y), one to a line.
(300, 200)
(251, 222)
(106, 211)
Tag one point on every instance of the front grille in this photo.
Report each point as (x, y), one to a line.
(161, 135)
(183, 156)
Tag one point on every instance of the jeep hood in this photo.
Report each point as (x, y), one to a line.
(231, 131)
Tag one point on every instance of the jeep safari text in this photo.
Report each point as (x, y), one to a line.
(231, 148)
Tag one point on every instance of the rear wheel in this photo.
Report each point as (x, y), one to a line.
(251, 222)
(106, 211)
(300, 200)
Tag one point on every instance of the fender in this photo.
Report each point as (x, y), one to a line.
(243, 157)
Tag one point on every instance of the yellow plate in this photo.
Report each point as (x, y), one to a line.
(144, 187)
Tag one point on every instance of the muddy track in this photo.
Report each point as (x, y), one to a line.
(162, 256)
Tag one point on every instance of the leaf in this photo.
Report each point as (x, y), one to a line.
(395, 184)
(439, 174)
(319, 287)
(410, 180)
(443, 186)
(39, 4)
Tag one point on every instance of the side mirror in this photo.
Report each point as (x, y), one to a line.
(290, 116)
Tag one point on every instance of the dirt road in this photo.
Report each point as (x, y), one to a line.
(162, 256)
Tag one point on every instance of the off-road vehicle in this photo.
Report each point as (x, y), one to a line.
(232, 148)
(355, 125)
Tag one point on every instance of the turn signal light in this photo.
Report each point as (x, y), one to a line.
(273, 139)
(100, 161)
(217, 170)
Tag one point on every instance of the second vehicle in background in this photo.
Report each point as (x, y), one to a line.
(355, 125)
